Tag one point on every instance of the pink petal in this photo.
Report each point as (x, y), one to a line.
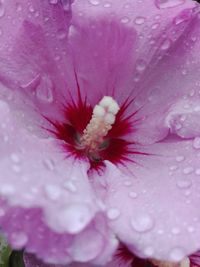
(47, 203)
(33, 51)
(165, 38)
(173, 83)
(154, 207)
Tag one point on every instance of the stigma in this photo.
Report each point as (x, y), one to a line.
(103, 117)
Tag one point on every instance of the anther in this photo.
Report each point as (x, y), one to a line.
(103, 117)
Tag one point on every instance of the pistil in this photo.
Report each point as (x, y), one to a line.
(103, 117)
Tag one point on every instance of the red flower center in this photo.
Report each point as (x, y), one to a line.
(107, 142)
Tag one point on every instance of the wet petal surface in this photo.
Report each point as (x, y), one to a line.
(158, 201)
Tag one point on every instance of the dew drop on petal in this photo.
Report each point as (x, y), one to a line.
(74, 217)
(7, 189)
(18, 7)
(113, 213)
(53, 192)
(149, 251)
(16, 168)
(2, 212)
(44, 90)
(196, 143)
(188, 170)
(61, 34)
(166, 45)
(53, 1)
(175, 231)
(139, 20)
(197, 171)
(15, 158)
(133, 194)
(168, 3)
(190, 229)
(184, 183)
(127, 183)
(86, 252)
(142, 223)
(94, 2)
(155, 26)
(141, 65)
(107, 4)
(176, 254)
(173, 168)
(125, 20)
(69, 185)
(19, 240)
(180, 158)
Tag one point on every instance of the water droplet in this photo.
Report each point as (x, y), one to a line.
(168, 3)
(74, 217)
(188, 170)
(125, 20)
(53, 1)
(175, 231)
(140, 20)
(2, 9)
(18, 7)
(69, 185)
(184, 72)
(149, 251)
(15, 158)
(141, 65)
(53, 192)
(44, 90)
(176, 254)
(160, 232)
(180, 158)
(31, 9)
(61, 34)
(16, 168)
(142, 223)
(190, 229)
(165, 45)
(2, 212)
(127, 183)
(94, 2)
(157, 17)
(133, 194)
(113, 213)
(137, 77)
(107, 4)
(184, 183)
(196, 142)
(173, 168)
(19, 240)
(155, 26)
(197, 172)
(7, 189)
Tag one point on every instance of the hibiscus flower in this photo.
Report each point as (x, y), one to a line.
(100, 128)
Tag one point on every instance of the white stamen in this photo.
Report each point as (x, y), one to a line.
(103, 117)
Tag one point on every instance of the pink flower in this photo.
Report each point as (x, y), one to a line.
(122, 258)
(80, 171)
